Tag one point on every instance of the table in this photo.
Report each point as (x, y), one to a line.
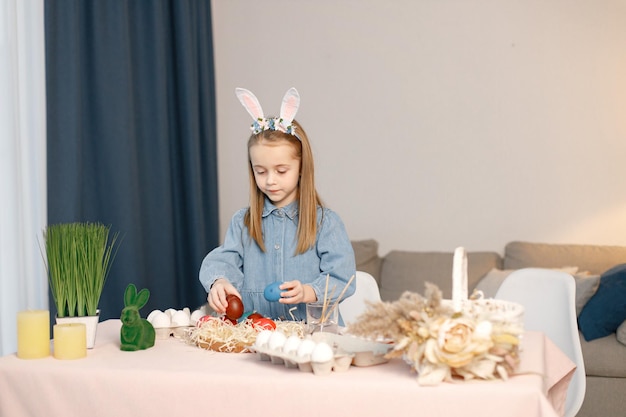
(176, 379)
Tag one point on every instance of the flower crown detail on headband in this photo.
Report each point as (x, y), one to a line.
(288, 110)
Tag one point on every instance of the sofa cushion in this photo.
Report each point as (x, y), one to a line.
(409, 271)
(606, 310)
(366, 257)
(593, 258)
(604, 357)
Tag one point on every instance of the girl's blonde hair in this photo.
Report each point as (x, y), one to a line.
(308, 199)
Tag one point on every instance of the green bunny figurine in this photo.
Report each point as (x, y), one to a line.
(136, 333)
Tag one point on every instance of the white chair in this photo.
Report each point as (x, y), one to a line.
(549, 304)
(366, 290)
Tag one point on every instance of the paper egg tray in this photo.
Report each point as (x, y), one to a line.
(349, 350)
(366, 352)
(166, 332)
(339, 363)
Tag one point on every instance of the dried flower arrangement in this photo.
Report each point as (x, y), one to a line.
(439, 343)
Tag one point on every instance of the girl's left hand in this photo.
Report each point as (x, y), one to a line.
(294, 292)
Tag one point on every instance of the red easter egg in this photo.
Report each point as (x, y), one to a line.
(264, 323)
(254, 316)
(204, 319)
(235, 307)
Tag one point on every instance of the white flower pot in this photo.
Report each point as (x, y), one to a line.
(90, 322)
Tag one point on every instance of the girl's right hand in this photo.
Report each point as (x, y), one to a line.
(217, 295)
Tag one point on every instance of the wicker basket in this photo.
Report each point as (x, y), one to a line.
(502, 312)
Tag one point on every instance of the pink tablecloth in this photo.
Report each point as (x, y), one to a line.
(175, 379)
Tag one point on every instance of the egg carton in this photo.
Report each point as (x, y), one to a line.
(173, 322)
(366, 352)
(339, 361)
(321, 353)
(165, 332)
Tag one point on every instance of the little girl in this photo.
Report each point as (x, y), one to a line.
(286, 234)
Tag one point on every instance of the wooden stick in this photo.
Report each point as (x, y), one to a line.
(341, 295)
(324, 317)
(324, 304)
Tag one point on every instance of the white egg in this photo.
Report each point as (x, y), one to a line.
(305, 348)
(170, 312)
(291, 344)
(161, 320)
(152, 314)
(322, 353)
(262, 338)
(187, 311)
(193, 319)
(277, 340)
(180, 318)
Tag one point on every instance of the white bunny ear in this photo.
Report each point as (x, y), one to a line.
(289, 108)
(250, 102)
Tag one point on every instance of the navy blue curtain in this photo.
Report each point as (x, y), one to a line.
(131, 138)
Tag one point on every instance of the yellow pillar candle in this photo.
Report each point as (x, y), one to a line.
(33, 334)
(70, 341)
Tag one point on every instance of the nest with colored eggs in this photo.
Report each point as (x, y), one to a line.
(234, 334)
(222, 336)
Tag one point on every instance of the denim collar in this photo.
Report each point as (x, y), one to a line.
(290, 210)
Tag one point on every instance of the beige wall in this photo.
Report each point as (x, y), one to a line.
(440, 123)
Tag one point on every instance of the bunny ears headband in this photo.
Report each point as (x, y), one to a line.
(288, 110)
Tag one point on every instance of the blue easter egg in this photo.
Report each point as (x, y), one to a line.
(272, 292)
(244, 316)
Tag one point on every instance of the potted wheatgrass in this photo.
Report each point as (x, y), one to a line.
(79, 257)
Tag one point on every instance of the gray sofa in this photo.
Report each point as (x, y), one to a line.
(605, 358)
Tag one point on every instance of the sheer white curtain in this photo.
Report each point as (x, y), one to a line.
(23, 282)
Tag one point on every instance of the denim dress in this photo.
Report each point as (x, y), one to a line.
(240, 260)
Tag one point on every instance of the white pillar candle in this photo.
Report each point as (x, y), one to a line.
(459, 278)
(33, 334)
(70, 341)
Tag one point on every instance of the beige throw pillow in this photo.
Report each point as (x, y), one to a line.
(586, 287)
(490, 283)
(621, 333)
